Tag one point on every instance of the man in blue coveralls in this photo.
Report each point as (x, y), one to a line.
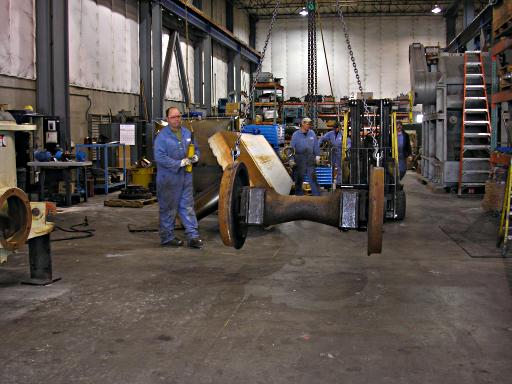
(334, 137)
(404, 149)
(173, 183)
(307, 154)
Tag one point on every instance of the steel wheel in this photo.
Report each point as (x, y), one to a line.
(232, 231)
(375, 210)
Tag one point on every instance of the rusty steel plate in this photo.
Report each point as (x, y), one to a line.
(232, 231)
(375, 210)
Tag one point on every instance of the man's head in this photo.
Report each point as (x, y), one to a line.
(173, 116)
(306, 124)
(399, 126)
(337, 126)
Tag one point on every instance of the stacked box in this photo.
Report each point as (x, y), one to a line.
(323, 176)
(270, 132)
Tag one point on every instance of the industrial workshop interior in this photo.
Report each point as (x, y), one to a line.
(237, 191)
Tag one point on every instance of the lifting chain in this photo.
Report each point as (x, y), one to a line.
(312, 104)
(235, 152)
(371, 122)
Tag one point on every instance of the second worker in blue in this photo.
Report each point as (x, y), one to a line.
(307, 155)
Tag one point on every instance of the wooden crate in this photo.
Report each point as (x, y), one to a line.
(501, 17)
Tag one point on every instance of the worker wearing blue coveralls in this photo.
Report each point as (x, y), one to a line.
(404, 149)
(307, 153)
(173, 184)
(335, 137)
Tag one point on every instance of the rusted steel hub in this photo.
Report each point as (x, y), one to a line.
(241, 206)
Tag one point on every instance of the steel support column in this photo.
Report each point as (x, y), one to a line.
(52, 64)
(198, 74)
(237, 61)
(229, 15)
(156, 48)
(145, 59)
(207, 71)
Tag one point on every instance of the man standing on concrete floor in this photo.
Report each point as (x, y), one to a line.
(307, 153)
(174, 183)
(404, 149)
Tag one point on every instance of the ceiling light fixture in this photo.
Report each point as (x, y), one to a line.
(436, 9)
(303, 12)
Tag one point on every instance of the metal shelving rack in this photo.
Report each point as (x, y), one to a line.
(277, 90)
(102, 156)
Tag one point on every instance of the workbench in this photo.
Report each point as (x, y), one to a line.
(65, 167)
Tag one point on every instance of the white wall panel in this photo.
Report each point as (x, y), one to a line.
(380, 45)
(218, 12)
(104, 44)
(219, 73)
(17, 38)
(173, 91)
(241, 24)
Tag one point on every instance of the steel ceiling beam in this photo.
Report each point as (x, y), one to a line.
(220, 35)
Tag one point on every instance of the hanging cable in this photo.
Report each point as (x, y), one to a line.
(373, 130)
(235, 152)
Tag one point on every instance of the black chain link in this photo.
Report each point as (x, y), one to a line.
(369, 118)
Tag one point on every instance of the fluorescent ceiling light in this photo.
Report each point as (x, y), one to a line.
(303, 12)
(436, 9)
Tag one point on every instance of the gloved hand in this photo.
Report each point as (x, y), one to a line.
(291, 163)
(185, 162)
(194, 159)
(317, 160)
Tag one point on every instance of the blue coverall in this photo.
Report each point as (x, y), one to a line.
(335, 139)
(306, 149)
(173, 184)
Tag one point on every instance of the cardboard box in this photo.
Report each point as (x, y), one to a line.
(232, 109)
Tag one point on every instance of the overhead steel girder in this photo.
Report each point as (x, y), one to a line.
(197, 20)
(482, 20)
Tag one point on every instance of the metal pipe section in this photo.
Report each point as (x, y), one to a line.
(207, 201)
(282, 209)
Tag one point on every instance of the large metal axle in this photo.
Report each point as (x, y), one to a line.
(241, 206)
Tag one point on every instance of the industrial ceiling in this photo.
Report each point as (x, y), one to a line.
(264, 8)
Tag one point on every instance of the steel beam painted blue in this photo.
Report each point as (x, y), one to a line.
(156, 48)
(146, 104)
(201, 23)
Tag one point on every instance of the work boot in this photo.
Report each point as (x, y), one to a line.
(195, 243)
(173, 243)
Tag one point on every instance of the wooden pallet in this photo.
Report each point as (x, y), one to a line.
(502, 17)
(129, 203)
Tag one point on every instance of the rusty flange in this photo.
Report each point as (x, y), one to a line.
(15, 208)
(375, 210)
(232, 230)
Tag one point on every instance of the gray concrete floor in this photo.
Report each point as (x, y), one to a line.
(300, 303)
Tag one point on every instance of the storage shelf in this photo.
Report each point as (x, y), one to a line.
(501, 46)
(502, 96)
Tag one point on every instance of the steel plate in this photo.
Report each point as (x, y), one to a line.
(232, 231)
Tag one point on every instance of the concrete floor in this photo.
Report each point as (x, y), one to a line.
(300, 303)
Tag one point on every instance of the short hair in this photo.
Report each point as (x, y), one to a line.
(168, 109)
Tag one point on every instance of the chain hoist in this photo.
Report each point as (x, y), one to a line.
(312, 103)
(371, 122)
(235, 152)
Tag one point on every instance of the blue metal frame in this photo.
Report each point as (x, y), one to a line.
(195, 19)
(105, 147)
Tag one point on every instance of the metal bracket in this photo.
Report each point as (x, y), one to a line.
(252, 206)
(349, 210)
